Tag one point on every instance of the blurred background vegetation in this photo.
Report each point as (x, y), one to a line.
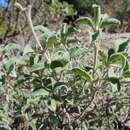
(51, 12)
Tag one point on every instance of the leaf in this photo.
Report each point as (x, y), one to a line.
(104, 17)
(42, 29)
(3, 128)
(2, 78)
(48, 36)
(58, 63)
(103, 57)
(58, 85)
(12, 46)
(87, 68)
(28, 49)
(71, 30)
(24, 77)
(110, 22)
(126, 74)
(60, 58)
(84, 20)
(122, 44)
(32, 124)
(9, 63)
(126, 67)
(95, 36)
(82, 73)
(37, 67)
(72, 40)
(43, 37)
(52, 40)
(110, 52)
(40, 92)
(77, 51)
(118, 58)
(115, 80)
(47, 82)
(97, 14)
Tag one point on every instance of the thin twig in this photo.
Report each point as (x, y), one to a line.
(95, 59)
(28, 14)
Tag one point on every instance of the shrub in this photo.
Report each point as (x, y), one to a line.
(65, 85)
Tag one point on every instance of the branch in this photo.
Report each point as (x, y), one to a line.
(28, 15)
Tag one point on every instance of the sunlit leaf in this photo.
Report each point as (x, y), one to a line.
(77, 51)
(127, 66)
(103, 57)
(118, 58)
(58, 85)
(126, 74)
(97, 14)
(2, 78)
(72, 40)
(82, 73)
(115, 80)
(42, 29)
(84, 20)
(110, 22)
(58, 63)
(122, 44)
(110, 52)
(28, 49)
(12, 46)
(40, 92)
(95, 36)
(36, 67)
(71, 30)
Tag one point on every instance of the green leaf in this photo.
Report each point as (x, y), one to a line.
(42, 29)
(32, 123)
(103, 57)
(122, 44)
(22, 78)
(97, 14)
(117, 59)
(71, 30)
(60, 58)
(52, 40)
(126, 74)
(84, 20)
(110, 52)
(28, 49)
(126, 67)
(77, 51)
(72, 40)
(2, 78)
(110, 22)
(87, 68)
(95, 36)
(58, 63)
(37, 67)
(115, 80)
(103, 18)
(59, 85)
(12, 46)
(9, 63)
(82, 73)
(47, 82)
(40, 92)
(43, 37)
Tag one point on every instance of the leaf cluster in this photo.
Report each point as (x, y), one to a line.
(65, 86)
